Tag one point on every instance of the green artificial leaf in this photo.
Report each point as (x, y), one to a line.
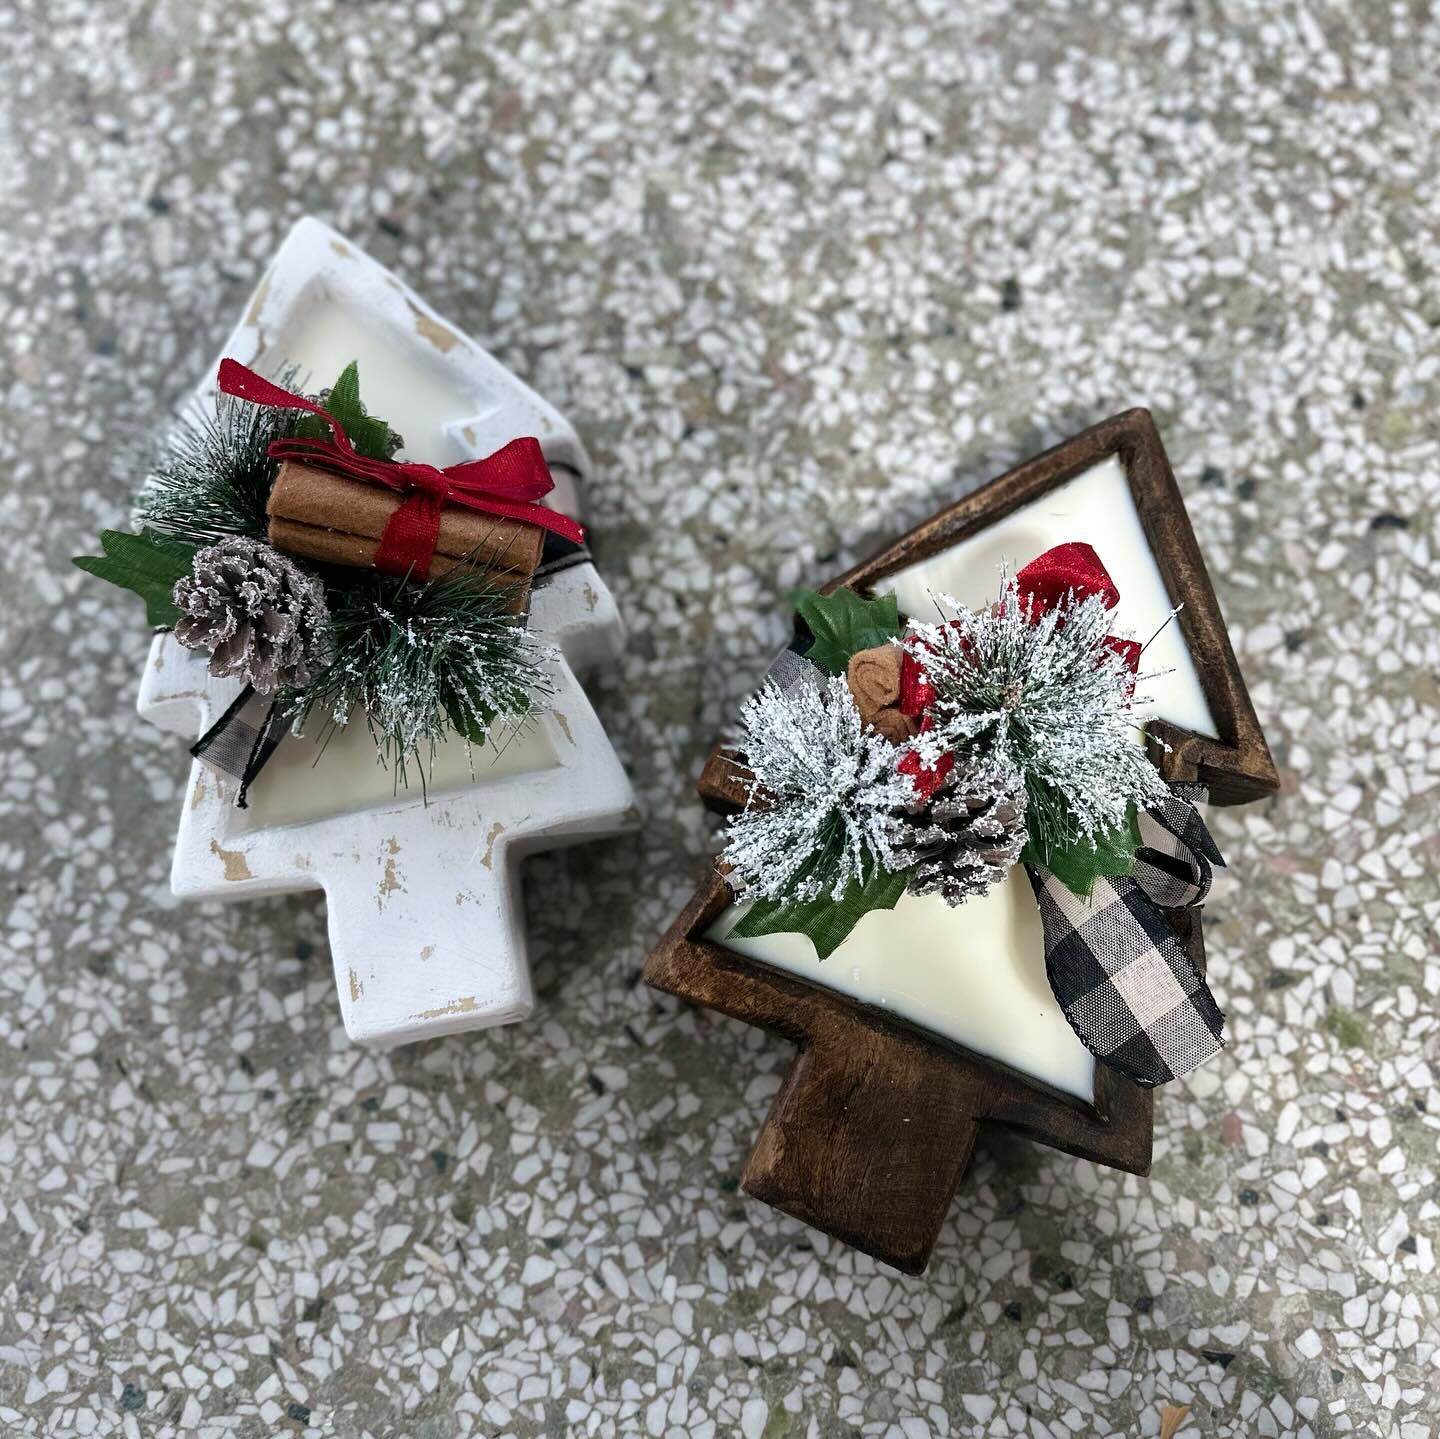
(1078, 866)
(826, 921)
(369, 436)
(470, 727)
(147, 563)
(843, 624)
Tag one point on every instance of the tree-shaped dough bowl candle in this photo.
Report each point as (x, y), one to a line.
(964, 860)
(364, 558)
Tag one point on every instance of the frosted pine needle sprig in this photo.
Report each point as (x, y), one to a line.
(1049, 702)
(211, 477)
(421, 660)
(822, 812)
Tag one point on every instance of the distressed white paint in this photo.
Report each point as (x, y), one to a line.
(976, 973)
(426, 928)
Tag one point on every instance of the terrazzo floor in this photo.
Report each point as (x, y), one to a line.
(799, 274)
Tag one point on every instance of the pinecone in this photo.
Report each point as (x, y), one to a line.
(968, 837)
(259, 613)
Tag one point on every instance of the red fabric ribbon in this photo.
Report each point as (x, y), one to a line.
(506, 484)
(1069, 569)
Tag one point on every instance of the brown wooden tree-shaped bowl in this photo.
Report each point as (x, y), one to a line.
(875, 1123)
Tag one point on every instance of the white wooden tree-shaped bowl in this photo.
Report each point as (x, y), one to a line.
(422, 890)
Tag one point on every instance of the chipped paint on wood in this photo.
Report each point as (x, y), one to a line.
(236, 865)
(427, 951)
(591, 598)
(389, 883)
(198, 793)
(564, 725)
(466, 1005)
(340, 248)
(429, 328)
(356, 988)
(496, 830)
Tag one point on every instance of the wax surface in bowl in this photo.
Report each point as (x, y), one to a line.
(975, 974)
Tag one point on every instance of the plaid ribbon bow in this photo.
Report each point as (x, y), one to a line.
(1125, 984)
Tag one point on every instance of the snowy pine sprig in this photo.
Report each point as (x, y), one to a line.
(823, 806)
(1044, 698)
(211, 477)
(418, 660)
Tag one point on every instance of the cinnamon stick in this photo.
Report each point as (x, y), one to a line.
(339, 521)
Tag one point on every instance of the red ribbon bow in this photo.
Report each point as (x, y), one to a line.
(506, 483)
(1072, 568)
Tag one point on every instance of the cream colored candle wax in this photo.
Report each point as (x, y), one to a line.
(975, 974)
(337, 770)
(417, 398)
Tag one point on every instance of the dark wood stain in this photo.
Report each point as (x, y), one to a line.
(873, 1127)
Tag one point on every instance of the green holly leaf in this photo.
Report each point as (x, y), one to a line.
(370, 436)
(1078, 866)
(843, 624)
(147, 563)
(826, 921)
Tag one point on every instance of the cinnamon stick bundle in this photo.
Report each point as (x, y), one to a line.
(339, 520)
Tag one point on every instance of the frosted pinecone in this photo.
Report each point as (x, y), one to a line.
(968, 837)
(262, 616)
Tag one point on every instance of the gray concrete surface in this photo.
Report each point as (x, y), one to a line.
(800, 274)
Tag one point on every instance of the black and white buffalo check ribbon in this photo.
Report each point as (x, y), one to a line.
(1123, 980)
(788, 672)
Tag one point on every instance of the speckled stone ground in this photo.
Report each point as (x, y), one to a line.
(799, 274)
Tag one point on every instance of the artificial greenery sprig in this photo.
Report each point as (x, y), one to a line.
(825, 797)
(419, 657)
(816, 849)
(1048, 698)
(1026, 740)
(213, 474)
